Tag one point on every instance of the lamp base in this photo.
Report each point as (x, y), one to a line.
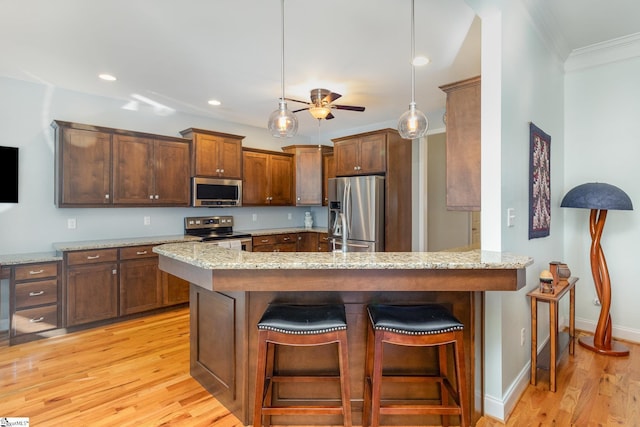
(616, 349)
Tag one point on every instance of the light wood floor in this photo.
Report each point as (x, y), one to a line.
(136, 373)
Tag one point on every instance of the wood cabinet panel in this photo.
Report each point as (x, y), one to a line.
(328, 171)
(215, 154)
(268, 178)
(39, 292)
(133, 171)
(171, 173)
(91, 256)
(463, 144)
(36, 271)
(83, 167)
(307, 242)
(92, 293)
(140, 285)
(308, 173)
(174, 289)
(33, 320)
(361, 155)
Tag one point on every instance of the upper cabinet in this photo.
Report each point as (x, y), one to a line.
(362, 154)
(463, 144)
(215, 154)
(308, 176)
(102, 167)
(328, 171)
(268, 178)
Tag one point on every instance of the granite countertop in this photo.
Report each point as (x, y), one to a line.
(29, 258)
(114, 243)
(270, 231)
(212, 257)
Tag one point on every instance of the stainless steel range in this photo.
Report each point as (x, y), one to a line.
(218, 230)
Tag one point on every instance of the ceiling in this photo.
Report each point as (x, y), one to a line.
(171, 55)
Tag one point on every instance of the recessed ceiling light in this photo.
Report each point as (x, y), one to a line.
(214, 102)
(420, 60)
(107, 77)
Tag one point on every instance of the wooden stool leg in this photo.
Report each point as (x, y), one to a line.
(461, 379)
(345, 386)
(268, 397)
(376, 378)
(444, 393)
(260, 379)
(368, 374)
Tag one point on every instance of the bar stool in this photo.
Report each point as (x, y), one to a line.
(300, 325)
(416, 326)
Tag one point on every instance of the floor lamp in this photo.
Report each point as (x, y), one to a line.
(600, 198)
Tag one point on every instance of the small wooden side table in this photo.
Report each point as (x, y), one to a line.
(553, 300)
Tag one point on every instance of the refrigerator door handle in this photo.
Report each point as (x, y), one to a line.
(347, 208)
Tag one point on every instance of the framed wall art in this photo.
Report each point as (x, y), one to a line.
(539, 182)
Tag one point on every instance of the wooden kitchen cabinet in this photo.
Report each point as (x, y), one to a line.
(34, 301)
(104, 167)
(323, 242)
(91, 286)
(307, 242)
(363, 154)
(382, 152)
(308, 176)
(215, 154)
(82, 166)
(267, 178)
(174, 289)
(328, 171)
(463, 144)
(285, 242)
(150, 171)
(140, 284)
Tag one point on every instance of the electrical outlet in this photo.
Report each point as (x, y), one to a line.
(71, 223)
(147, 220)
(254, 217)
(511, 217)
(289, 216)
(522, 332)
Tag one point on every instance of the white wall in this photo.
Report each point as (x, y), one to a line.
(522, 82)
(603, 145)
(32, 225)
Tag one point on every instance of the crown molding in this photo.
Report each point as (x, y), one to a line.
(603, 53)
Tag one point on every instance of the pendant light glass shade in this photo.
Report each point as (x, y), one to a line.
(413, 123)
(282, 122)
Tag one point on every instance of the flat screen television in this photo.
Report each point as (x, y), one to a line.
(8, 175)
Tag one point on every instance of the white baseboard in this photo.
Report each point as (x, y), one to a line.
(619, 332)
(500, 409)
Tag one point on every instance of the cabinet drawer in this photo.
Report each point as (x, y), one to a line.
(36, 271)
(90, 257)
(35, 320)
(286, 238)
(135, 252)
(264, 240)
(36, 293)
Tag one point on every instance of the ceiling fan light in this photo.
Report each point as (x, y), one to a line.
(413, 123)
(319, 112)
(282, 122)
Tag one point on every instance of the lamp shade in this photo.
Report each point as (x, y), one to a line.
(597, 195)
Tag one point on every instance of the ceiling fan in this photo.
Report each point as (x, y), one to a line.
(321, 104)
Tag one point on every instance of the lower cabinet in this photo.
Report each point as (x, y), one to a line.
(140, 284)
(323, 242)
(287, 242)
(107, 283)
(307, 242)
(34, 299)
(91, 286)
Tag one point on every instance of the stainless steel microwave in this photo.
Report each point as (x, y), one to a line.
(216, 192)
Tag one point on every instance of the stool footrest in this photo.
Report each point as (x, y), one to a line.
(304, 379)
(303, 410)
(419, 410)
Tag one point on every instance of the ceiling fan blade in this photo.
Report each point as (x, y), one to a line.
(331, 97)
(301, 109)
(329, 116)
(348, 107)
(296, 100)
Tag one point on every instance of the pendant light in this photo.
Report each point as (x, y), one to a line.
(282, 122)
(413, 123)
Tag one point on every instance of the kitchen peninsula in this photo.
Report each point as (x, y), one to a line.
(230, 289)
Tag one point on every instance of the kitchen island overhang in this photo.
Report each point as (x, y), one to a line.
(230, 290)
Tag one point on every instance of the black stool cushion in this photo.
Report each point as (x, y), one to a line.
(303, 319)
(413, 319)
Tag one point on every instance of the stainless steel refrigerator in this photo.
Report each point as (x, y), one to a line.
(356, 213)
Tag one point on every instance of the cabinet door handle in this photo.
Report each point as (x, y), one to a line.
(106, 196)
(221, 170)
(264, 240)
(38, 320)
(36, 272)
(141, 252)
(93, 256)
(151, 196)
(157, 197)
(218, 170)
(286, 238)
(114, 271)
(36, 294)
